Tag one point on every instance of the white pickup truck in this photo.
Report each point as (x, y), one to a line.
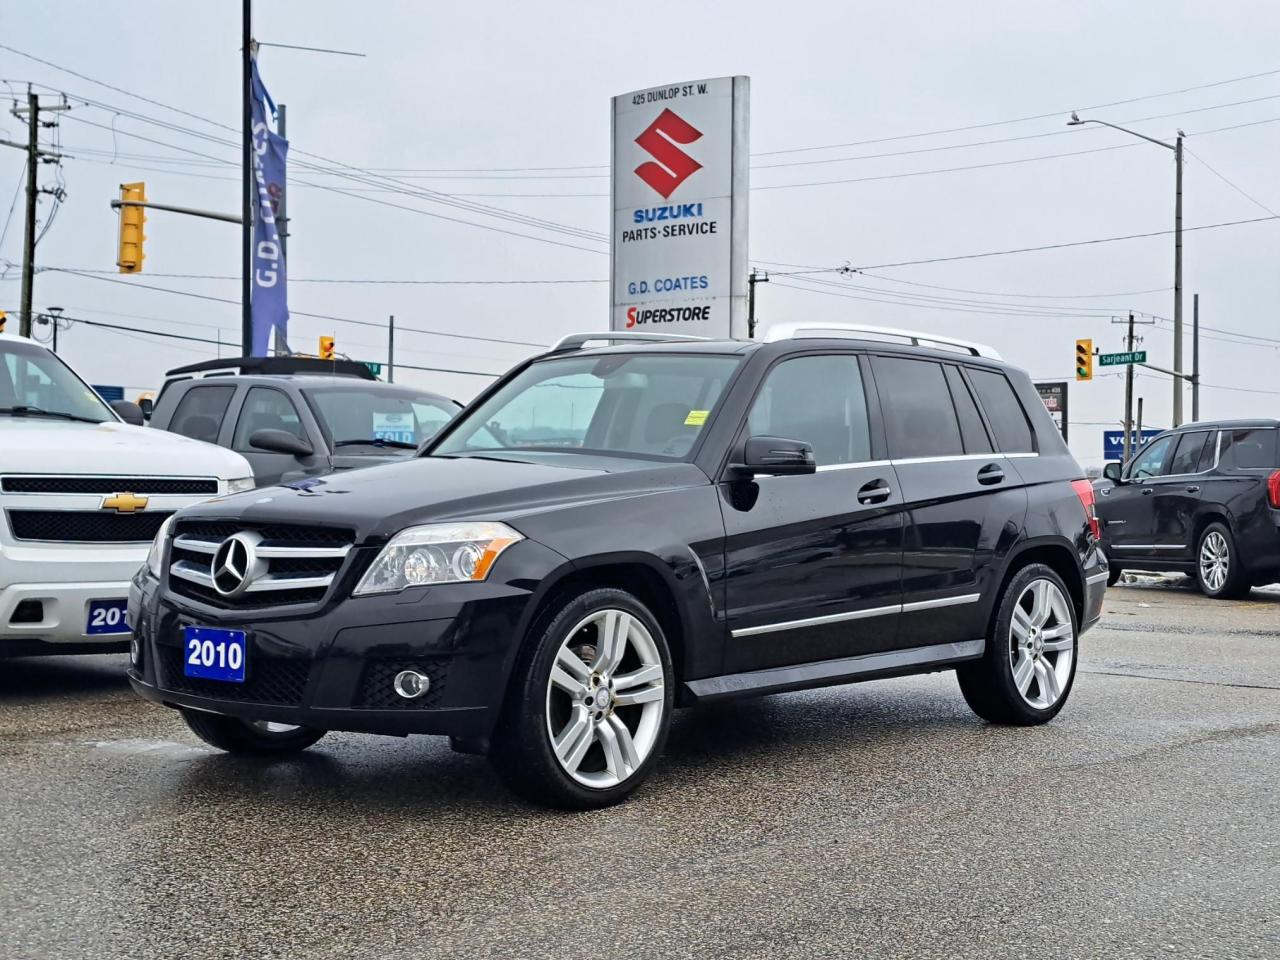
(82, 495)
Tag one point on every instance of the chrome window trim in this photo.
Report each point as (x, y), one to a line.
(829, 467)
(857, 615)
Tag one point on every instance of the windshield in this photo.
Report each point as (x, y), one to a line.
(638, 405)
(357, 415)
(34, 381)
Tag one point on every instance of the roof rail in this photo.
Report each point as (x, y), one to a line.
(313, 366)
(575, 341)
(793, 331)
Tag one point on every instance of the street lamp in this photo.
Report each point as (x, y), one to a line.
(1176, 147)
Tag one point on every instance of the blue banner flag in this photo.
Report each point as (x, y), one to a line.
(270, 296)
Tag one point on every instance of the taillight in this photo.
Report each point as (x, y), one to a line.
(1273, 489)
(1084, 490)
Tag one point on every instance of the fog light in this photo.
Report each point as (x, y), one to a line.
(135, 651)
(411, 684)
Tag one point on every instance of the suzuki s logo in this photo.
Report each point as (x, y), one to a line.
(124, 503)
(673, 166)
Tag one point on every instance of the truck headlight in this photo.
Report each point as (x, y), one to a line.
(437, 553)
(155, 556)
(240, 485)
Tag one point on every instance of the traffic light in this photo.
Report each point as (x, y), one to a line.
(1084, 359)
(326, 348)
(132, 219)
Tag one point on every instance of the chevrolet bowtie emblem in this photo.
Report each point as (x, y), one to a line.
(124, 503)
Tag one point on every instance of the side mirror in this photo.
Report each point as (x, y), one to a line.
(147, 406)
(129, 412)
(280, 441)
(777, 456)
(1112, 471)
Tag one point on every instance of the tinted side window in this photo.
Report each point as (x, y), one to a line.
(819, 400)
(1249, 449)
(1004, 411)
(919, 417)
(265, 409)
(1209, 452)
(971, 427)
(200, 412)
(1152, 461)
(1187, 455)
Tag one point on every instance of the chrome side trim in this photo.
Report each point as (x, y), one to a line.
(828, 672)
(1097, 576)
(1147, 546)
(857, 615)
(941, 602)
(817, 621)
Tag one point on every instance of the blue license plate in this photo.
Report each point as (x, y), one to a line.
(212, 653)
(106, 616)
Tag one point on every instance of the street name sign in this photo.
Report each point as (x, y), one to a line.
(1117, 359)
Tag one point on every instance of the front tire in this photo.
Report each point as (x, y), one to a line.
(249, 736)
(589, 710)
(1219, 572)
(1025, 675)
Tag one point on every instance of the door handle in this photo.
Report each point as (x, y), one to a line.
(1147, 491)
(876, 491)
(1193, 488)
(990, 474)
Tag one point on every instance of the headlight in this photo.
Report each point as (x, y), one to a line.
(437, 553)
(155, 556)
(240, 485)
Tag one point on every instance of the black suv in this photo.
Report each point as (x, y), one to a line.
(1203, 499)
(296, 417)
(713, 519)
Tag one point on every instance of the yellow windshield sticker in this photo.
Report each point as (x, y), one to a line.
(696, 418)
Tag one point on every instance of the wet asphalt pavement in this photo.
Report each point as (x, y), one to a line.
(874, 820)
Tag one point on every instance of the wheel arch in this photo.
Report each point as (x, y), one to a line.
(1056, 553)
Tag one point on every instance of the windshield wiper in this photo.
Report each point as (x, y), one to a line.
(28, 411)
(378, 442)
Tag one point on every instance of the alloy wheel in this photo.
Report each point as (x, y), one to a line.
(1041, 643)
(1215, 560)
(605, 699)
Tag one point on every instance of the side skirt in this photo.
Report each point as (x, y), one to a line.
(825, 673)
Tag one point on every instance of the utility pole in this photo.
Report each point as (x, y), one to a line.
(754, 278)
(1139, 421)
(1128, 394)
(1195, 358)
(29, 223)
(391, 349)
(1177, 283)
(247, 180)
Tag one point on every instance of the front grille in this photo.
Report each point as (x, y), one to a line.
(376, 692)
(299, 563)
(85, 526)
(108, 485)
(270, 680)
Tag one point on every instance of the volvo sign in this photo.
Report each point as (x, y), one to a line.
(679, 242)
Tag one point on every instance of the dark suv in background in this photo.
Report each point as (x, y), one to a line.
(1204, 500)
(714, 519)
(294, 417)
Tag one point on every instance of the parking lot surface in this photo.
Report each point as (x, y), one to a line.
(875, 820)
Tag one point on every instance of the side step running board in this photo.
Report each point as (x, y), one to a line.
(869, 666)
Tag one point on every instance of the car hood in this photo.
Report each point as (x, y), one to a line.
(40, 445)
(379, 501)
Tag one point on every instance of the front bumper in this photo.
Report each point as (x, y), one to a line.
(331, 668)
(64, 616)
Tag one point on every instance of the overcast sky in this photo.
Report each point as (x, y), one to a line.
(527, 85)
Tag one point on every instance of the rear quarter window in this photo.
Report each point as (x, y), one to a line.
(1250, 449)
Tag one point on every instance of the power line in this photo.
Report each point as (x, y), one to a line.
(1252, 199)
(358, 280)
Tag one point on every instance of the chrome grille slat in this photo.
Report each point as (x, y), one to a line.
(199, 545)
(189, 571)
(290, 583)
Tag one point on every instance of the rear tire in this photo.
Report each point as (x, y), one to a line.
(1219, 573)
(1026, 672)
(247, 737)
(588, 712)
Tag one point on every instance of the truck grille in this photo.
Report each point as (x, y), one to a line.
(286, 564)
(109, 485)
(272, 680)
(85, 526)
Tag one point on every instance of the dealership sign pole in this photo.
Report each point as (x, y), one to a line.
(679, 178)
